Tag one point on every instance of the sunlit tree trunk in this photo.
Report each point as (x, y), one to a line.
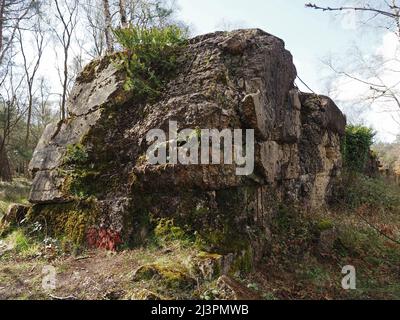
(122, 12)
(107, 18)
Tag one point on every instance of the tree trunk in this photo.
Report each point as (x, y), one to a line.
(2, 8)
(28, 121)
(107, 18)
(65, 85)
(5, 170)
(122, 12)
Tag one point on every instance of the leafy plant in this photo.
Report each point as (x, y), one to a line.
(76, 154)
(149, 58)
(356, 147)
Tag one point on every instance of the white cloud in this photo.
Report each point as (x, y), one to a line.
(389, 47)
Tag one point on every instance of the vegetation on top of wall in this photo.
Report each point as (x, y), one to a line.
(356, 147)
(149, 58)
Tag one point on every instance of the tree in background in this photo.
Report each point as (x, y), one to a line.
(105, 15)
(12, 112)
(108, 26)
(31, 67)
(95, 26)
(390, 155)
(377, 72)
(122, 13)
(12, 14)
(66, 13)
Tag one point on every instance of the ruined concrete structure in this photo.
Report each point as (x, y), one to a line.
(91, 178)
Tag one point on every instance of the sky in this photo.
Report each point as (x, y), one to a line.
(311, 36)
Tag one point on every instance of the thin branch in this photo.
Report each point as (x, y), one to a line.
(368, 9)
(378, 230)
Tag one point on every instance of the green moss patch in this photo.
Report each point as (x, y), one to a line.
(69, 220)
(172, 277)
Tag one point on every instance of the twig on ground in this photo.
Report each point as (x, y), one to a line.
(378, 230)
(83, 258)
(62, 298)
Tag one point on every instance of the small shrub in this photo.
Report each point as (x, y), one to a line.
(149, 58)
(356, 147)
(76, 154)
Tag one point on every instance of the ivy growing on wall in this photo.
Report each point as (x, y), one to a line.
(356, 147)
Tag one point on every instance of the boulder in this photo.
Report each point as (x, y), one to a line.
(225, 80)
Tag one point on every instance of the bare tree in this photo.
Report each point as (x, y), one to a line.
(95, 24)
(376, 72)
(2, 13)
(151, 13)
(12, 113)
(67, 16)
(390, 12)
(31, 69)
(43, 110)
(12, 12)
(122, 13)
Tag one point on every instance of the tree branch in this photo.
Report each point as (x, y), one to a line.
(368, 9)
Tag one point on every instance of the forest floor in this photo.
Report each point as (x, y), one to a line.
(307, 254)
